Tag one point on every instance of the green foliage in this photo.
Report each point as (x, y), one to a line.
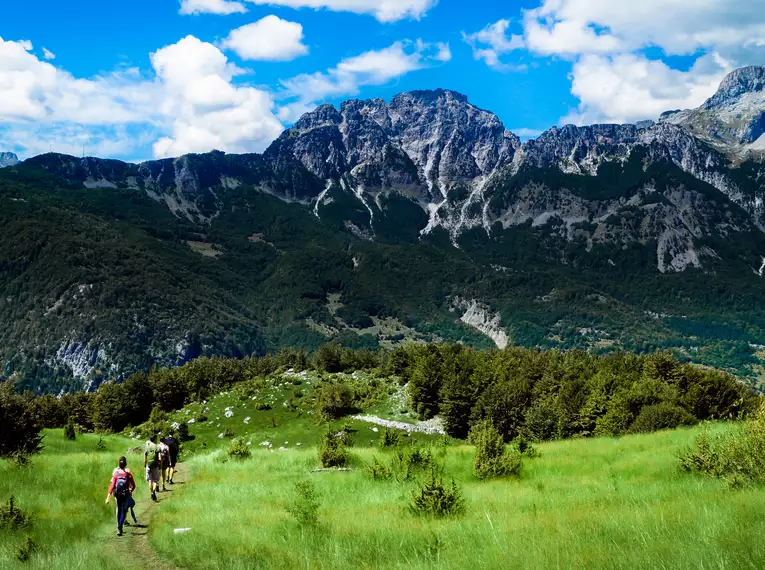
(238, 449)
(305, 504)
(434, 499)
(492, 458)
(331, 450)
(390, 438)
(12, 517)
(661, 416)
(26, 550)
(69, 431)
(334, 400)
(19, 430)
(739, 457)
(377, 470)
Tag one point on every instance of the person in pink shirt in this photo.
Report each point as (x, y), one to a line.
(122, 486)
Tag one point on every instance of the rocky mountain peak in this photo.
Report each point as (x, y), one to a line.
(737, 83)
(8, 159)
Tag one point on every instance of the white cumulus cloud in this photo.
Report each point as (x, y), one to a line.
(189, 104)
(492, 42)
(383, 10)
(270, 39)
(375, 67)
(207, 110)
(621, 51)
(223, 7)
(49, 55)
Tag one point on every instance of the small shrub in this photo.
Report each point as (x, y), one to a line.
(100, 444)
(183, 433)
(21, 459)
(525, 448)
(69, 431)
(436, 500)
(492, 459)
(262, 406)
(305, 504)
(238, 449)
(378, 471)
(12, 517)
(202, 418)
(406, 463)
(738, 458)
(27, 549)
(335, 400)
(661, 416)
(332, 450)
(228, 432)
(390, 438)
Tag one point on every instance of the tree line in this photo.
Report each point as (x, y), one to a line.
(539, 395)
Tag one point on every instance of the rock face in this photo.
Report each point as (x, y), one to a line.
(733, 119)
(690, 177)
(8, 159)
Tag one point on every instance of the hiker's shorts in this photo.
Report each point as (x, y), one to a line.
(152, 475)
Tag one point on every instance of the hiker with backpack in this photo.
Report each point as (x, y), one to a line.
(173, 444)
(164, 459)
(122, 486)
(152, 465)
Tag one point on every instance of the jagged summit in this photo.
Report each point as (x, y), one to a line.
(737, 83)
(8, 159)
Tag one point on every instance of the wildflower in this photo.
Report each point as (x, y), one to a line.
(220, 436)
(191, 421)
(229, 414)
(247, 420)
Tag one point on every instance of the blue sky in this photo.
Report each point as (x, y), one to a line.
(163, 77)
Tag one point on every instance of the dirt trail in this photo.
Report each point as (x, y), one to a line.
(133, 546)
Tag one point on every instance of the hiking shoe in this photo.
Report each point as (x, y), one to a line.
(153, 496)
(127, 523)
(119, 533)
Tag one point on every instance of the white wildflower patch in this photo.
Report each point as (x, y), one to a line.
(247, 420)
(175, 425)
(265, 444)
(298, 444)
(249, 443)
(282, 449)
(191, 421)
(220, 436)
(229, 414)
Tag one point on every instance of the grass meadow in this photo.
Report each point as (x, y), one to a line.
(64, 489)
(596, 503)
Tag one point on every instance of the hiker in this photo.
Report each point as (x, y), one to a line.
(130, 503)
(164, 458)
(151, 463)
(173, 444)
(122, 486)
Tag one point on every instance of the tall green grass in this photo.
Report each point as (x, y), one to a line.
(64, 490)
(598, 503)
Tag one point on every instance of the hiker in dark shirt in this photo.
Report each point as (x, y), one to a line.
(122, 486)
(172, 443)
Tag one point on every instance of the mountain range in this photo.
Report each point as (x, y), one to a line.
(419, 218)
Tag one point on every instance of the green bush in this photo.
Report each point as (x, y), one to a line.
(436, 500)
(304, 505)
(334, 400)
(69, 431)
(492, 458)
(390, 438)
(12, 517)
(378, 470)
(406, 463)
(26, 550)
(332, 450)
(661, 416)
(738, 458)
(524, 447)
(202, 419)
(19, 430)
(238, 449)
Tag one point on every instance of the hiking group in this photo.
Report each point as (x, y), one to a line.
(159, 461)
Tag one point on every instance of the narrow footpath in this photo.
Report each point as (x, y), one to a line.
(133, 546)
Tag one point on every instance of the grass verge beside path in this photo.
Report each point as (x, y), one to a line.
(596, 503)
(64, 489)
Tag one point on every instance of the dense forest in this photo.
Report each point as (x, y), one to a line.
(538, 395)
